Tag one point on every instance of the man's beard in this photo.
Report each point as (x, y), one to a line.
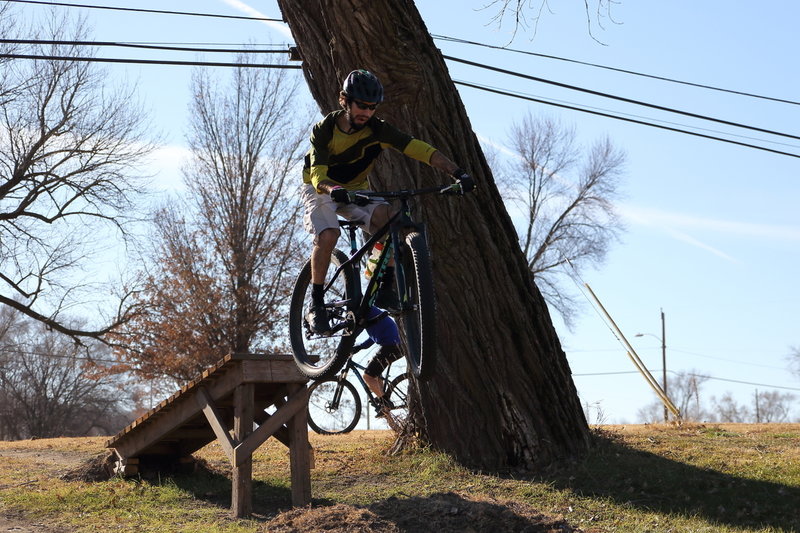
(353, 125)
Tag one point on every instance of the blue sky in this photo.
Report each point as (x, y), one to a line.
(713, 230)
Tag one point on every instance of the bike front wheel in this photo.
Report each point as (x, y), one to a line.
(419, 306)
(334, 407)
(318, 356)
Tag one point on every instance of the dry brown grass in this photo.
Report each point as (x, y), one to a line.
(716, 478)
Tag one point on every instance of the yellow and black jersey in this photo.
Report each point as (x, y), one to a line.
(348, 158)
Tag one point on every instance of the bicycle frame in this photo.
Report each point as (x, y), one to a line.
(358, 369)
(350, 308)
(400, 220)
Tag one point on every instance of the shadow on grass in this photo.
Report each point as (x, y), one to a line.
(212, 485)
(441, 512)
(648, 481)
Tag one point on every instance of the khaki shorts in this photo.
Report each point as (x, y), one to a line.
(322, 213)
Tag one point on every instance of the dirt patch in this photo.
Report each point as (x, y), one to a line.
(97, 468)
(16, 523)
(70, 466)
(446, 513)
(55, 457)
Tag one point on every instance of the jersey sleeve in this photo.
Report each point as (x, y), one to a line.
(419, 150)
(406, 144)
(319, 155)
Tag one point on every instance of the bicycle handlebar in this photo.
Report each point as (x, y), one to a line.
(454, 188)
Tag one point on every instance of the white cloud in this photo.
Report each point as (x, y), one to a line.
(166, 162)
(644, 215)
(677, 226)
(280, 27)
(500, 147)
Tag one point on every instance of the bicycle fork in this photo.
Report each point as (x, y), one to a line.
(333, 404)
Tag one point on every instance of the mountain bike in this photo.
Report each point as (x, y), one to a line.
(334, 405)
(320, 357)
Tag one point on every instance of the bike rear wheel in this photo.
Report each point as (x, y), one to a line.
(334, 407)
(317, 356)
(397, 393)
(419, 306)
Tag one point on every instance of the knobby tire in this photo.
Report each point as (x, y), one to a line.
(320, 357)
(397, 392)
(328, 419)
(419, 307)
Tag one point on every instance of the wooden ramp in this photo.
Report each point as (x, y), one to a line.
(228, 402)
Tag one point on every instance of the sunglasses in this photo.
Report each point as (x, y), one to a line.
(365, 106)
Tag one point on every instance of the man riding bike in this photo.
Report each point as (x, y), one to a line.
(344, 146)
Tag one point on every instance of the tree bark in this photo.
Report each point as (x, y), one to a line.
(502, 395)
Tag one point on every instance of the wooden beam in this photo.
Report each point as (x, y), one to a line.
(179, 410)
(245, 383)
(215, 420)
(242, 488)
(272, 371)
(300, 453)
(297, 401)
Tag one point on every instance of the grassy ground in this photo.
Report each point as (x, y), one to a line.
(720, 478)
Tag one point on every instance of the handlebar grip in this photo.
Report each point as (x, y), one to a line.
(455, 188)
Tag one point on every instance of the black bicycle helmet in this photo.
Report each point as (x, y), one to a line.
(363, 85)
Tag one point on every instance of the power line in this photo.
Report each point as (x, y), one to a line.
(467, 84)
(626, 119)
(618, 98)
(615, 69)
(139, 10)
(742, 382)
(146, 46)
(607, 373)
(440, 37)
(676, 350)
(148, 61)
(218, 50)
(662, 121)
(705, 376)
(695, 375)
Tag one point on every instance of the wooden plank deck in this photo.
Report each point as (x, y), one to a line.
(223, 404)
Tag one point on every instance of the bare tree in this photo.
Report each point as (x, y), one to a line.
(772, 406)
(527, 14)
(69, 147)
(222, 272)
(44, 386)
(566, 198)
(684, 391)
(794, 360)
(652, 413)
(727, 409)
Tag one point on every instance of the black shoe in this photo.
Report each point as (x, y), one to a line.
(317, 317)
(387, 298)
(382, 406)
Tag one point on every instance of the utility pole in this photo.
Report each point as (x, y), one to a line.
(758, 412)
(663, 339)
(664, 362)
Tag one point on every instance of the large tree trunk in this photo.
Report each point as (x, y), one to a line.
(502, 395)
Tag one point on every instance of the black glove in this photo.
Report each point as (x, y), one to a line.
(340, 195)
(465, 180)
